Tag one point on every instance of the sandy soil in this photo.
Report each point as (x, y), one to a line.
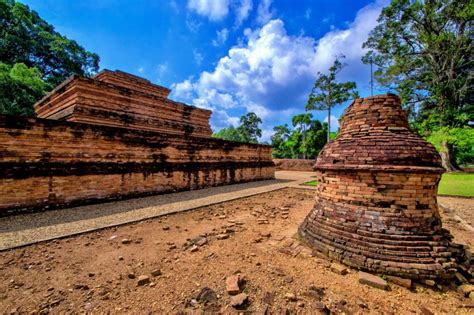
(97, 273)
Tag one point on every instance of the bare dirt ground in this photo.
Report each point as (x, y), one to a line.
(98, 272)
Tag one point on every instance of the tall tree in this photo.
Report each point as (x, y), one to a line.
(25, 38)
(327, 92)
(279, 141)
(423, 50)
(301, 123)
(249, 128)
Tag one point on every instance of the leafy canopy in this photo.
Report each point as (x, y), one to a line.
(423, 50)
(248, 131)
(20, 87)
(26, 38)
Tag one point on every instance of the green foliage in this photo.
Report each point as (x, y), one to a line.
(247, 132)
(327, 92)
(312, 183)
(230, 134)
(460, 139)
(305, 141)
(249, 128)
(26, 38)
(423, 51)
(34, 58)
(20, 87)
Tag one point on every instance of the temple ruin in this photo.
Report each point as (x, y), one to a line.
(115, 136)
(375, 207)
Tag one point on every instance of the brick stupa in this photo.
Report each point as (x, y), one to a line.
(376, 206)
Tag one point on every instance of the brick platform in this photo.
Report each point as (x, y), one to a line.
(130, 141)
(375, 207)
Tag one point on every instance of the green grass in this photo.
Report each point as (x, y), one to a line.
(311, 183)
(457, 184)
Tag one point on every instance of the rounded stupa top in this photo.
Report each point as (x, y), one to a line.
(374, 135)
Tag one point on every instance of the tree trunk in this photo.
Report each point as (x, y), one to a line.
(447, 158)
(329, 124)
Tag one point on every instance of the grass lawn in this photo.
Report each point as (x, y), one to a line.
(457, 184)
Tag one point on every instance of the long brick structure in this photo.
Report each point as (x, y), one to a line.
(88, 157)
(375, 207)
(119, 99)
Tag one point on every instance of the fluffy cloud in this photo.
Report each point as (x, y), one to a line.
(264, 13)
(212, 9)
(242, 11)
(216, 10)
(221, 37)
(271, 72)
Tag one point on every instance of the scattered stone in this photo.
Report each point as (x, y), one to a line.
(238, 300)
(316, 292)
(131, 275)
(166, 228)
(461, 279)
(265, 234)
(156, 273)
(222, 236)
(91, 274)
(113, 237)
(120, 257)
(268, 297)
(288, 279)
(430, 283)
(199, 241)
(339, 269)
(320, 308)
(290, 297)
(372, 280)
(232, 285)
(300, 304)
(194, 248)
(126, 241)
(407, 283)
(426, 311)
(206, 295)
(142, 280)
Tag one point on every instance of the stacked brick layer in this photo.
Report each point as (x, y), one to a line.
(46, 163)
(121, 100)
(376, 203)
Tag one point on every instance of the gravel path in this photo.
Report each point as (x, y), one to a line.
(27, 229)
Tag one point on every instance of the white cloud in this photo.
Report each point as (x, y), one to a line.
(198, 58)
(307, 13)
(141, 70)
(264, 13)
(243, 11)
(221, 37)
(214, 10)
(271, 72)
(334, 122)
(161, 70)
(193, 25)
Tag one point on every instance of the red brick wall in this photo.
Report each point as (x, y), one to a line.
(294, 164)
(46, 163)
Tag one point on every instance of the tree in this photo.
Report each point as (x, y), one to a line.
(25, 38)
(327, 92)
(20, 87)
(423, 50)
(301, 123)
(249, 128)
(230, 134)
(287, 143)
(247, 132)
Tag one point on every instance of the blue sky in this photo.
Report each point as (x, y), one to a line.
(230, 56)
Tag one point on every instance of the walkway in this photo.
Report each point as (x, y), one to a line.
(27, 229)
